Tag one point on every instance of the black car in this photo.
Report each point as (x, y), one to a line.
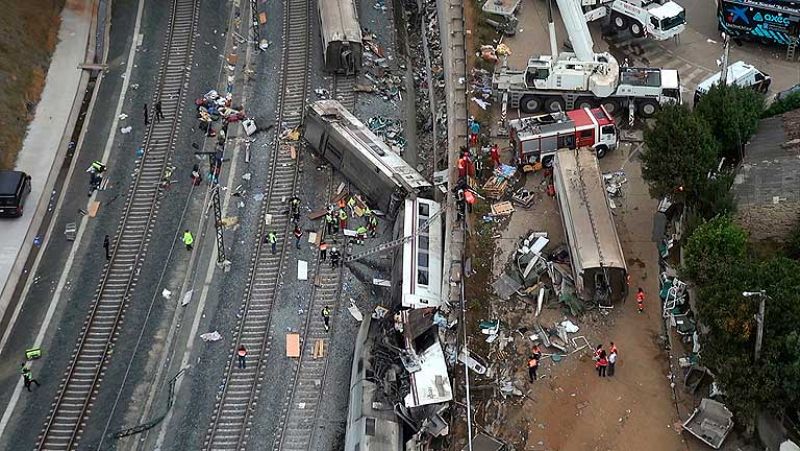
(14, 189)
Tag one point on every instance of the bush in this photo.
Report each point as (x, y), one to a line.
(788, 103)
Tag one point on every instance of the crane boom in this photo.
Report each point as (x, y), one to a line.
(394, 243)
(577, 30)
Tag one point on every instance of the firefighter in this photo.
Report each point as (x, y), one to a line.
(323, 251)
(361, 234)
(188, 240)
(342, 219)
(335, 255)
(294, 206)
(326, 317)
(330, 223)
(640, 300)
(494, 154)
(533, 365)
(351, 204)
(272, 239)
(27, 376)
(372, 225)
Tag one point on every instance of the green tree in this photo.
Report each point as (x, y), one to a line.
(679, 152)
(733, 113)
(712, 247)
(716, 197)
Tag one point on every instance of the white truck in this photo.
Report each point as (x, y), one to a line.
(583, 79)
(657, 20)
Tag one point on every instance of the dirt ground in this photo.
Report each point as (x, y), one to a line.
(570, 407)
(28, 33)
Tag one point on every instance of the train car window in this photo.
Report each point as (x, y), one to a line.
(423, 242)
(421, 221)
(424, 210)
(422, 276)
(422, 259)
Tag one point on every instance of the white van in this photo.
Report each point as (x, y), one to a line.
(739, 74)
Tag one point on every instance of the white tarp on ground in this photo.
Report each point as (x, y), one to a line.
(431, 384)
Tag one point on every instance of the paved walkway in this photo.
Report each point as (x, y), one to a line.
(43, 149)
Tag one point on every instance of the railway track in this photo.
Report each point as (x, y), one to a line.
(79, 387)
(230, 424)
(298, 421)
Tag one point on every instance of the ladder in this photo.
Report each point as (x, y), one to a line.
(791, 51)
(394, 243)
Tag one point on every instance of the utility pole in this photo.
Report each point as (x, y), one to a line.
(762, 295)
(255, 25)
(723, 75)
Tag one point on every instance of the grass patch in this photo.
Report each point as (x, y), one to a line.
(28, 36)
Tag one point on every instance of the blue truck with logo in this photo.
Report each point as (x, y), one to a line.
(773, 22)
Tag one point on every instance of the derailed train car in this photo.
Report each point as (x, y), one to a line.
(361, 156)
(341, 36)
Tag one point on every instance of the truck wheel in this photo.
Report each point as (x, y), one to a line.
(554, 104)
(636, 29)
(619, 21)
(584, 102)
(530, 104)
(647, 108)
(601, 151)
(611, 106)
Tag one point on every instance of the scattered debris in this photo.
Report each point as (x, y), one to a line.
(211, 336)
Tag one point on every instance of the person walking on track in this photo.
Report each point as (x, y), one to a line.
(107, 246)
(27, 376)
(272, 239)
(159, 113)
(640, 300)
(298, 233)
(329, 223)
(533, 365)
(326, 317)
(335, 258)
(188, 240)
(342, 219)
(146, 115)
(242, 353)
(323, 251)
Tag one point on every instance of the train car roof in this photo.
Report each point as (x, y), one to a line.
(596, 242)
(340, 20)
(369, 145)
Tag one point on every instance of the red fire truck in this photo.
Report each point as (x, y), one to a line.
(537, 138)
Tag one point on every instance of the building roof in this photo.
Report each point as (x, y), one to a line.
(770, 172)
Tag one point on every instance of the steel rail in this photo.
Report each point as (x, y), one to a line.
(230, 424)
(81, 382)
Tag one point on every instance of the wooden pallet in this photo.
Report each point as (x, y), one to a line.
(502, 208)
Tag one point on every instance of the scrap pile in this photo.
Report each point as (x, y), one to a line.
(429, 82)
(377, 70)
(502, 177)
(480, 87)
(390, 130)
(213, 107)
(614, 181)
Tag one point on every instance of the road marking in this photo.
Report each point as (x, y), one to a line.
(76, 244)
(696, 73)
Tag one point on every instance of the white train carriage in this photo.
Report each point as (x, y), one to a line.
(363, 158)
(422, 254)
(341, 35)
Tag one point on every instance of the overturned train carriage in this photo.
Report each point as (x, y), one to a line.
(341, 35)
(361, 156)
(598, 263)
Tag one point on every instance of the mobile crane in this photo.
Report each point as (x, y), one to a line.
(656, 19)
(582, 78)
